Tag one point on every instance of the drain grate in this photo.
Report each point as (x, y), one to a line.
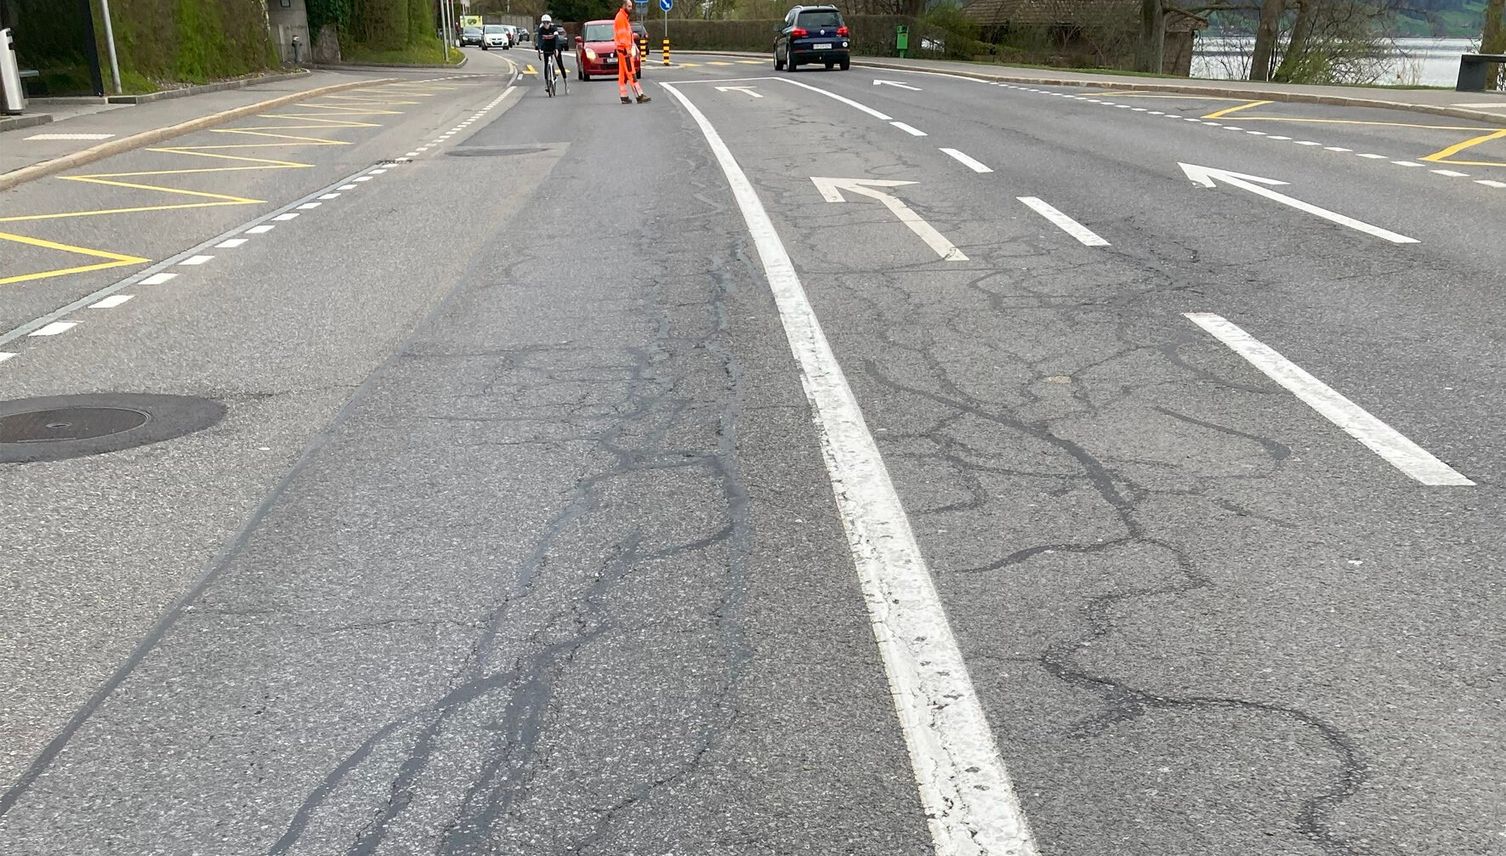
(71, 426)
(494, 151)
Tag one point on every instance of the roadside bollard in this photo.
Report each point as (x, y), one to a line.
(643, 47)
(666, 51)
(296, 45)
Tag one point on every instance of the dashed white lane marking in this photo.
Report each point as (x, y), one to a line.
(1449, 173)
(330, 196)
(1308, 143)
(1275, 137)
(291, 215)
(1082, 233)
(261, 230)
(378, 171)
(1373, 157)
(912, 131)
(1336, 149)
(54, 328)
(970, 804)
(346, 187)
(112, 301)
(1379, 437)
(309, 206)
(967, 161)
(230, 243)
(1406, 163)
(1488, 183)
(5, 355)
(196, 260)
(364, 178)
(159, 278)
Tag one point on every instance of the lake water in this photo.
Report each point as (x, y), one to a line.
(1417, 62)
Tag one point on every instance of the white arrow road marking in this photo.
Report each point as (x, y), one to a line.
(1082, 233)
(746, 89)
(831, 190)
(1208, 177)
(896, 84)
(1381, 438)
(965, 790)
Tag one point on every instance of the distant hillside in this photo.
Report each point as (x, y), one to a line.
(1454, 19)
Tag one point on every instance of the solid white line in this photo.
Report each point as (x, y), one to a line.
(196, 260)
(260, 230)
(54, 328)
(966, 161)
(112, 301)
(1077, 230)
(230, 243)
(848, 101)
(159, 278)
(1381, 438)
(912, 131)
(970, 804)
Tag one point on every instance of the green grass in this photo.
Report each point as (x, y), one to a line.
(431, 53)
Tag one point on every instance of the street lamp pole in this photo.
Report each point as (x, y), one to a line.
(104, 8)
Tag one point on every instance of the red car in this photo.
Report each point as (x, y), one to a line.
(596, 52)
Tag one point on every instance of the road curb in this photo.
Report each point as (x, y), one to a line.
(157, 135)
(1183, 89)
(27, 120)
(203, 88)
(383, 66)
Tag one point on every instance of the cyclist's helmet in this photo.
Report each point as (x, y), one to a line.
(545, 19)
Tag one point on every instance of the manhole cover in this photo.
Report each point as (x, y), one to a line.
(71, 426)
(68, 423)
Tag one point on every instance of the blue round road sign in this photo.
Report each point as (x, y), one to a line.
(666, 5)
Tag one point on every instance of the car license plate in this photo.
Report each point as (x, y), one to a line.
(611, 60)
(822, 47)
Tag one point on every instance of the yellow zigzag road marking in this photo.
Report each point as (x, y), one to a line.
(115, 259)
(1444, 155)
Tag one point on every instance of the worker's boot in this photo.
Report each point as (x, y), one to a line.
(626, 100)
(643, 99)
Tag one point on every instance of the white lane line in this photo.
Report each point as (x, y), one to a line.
(966, 161)
(912, 131)
(1488, 183)
(378, 171)
(1379, 437)
(112, 301)
(1232, 128)
(70, 137)
(1373, 157)
(1406, 163)
(192, 261)
(230, 243)
(309, 206)
(970, 804)
(1283, 139)
(346, 187)
(1256, 133)
(54, 328)
(1308, 143)
(1449, 173)
(330, 196)
(1082, 233)
(848, 101)
(364, 178)
(291, 215)
(5, 355)
(260, 230)
(159, 278)
(1336, 149)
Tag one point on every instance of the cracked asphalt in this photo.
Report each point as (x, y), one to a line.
(517, 536)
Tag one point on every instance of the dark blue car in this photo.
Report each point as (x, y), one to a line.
(812, 34)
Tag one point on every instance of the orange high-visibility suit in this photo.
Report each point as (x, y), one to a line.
(622, 37)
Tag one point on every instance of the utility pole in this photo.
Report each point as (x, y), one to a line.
(104, 8)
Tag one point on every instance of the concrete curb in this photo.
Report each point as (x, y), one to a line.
(382, 66)
(157, 135)
(201, 88)
(25, 120)
(1181, 88)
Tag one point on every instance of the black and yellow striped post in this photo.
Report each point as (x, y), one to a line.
(643, 48)
(666, 51)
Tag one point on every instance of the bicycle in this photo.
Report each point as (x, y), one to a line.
(548, 72)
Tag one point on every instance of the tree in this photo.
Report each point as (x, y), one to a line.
(1263, 57)
(1152, 37)
(1493, 37)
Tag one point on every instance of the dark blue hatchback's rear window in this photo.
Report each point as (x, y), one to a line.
(819, 19)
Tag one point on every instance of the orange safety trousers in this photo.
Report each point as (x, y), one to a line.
(625, 77)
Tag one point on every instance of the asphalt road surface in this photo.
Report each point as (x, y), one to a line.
(820, 463)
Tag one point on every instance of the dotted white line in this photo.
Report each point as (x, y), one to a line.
(330, 196)
(112, 301)
(1448, 173)
(1488, 183)
(1375, 157)
(159, 278)
(196, 260)
(231, 243)
(1336, 149)
(309, 206)
(285, 217)
(5, 355)
(260, 230)
(1406, 163)
(54, 328)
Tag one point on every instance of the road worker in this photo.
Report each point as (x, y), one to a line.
(622, 36)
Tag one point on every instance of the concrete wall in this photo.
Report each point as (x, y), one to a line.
(286, 22)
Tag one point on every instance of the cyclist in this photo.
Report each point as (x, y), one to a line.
(551, 43)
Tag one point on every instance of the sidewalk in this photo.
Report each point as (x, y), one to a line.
(1480, 106)
(82, 124)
